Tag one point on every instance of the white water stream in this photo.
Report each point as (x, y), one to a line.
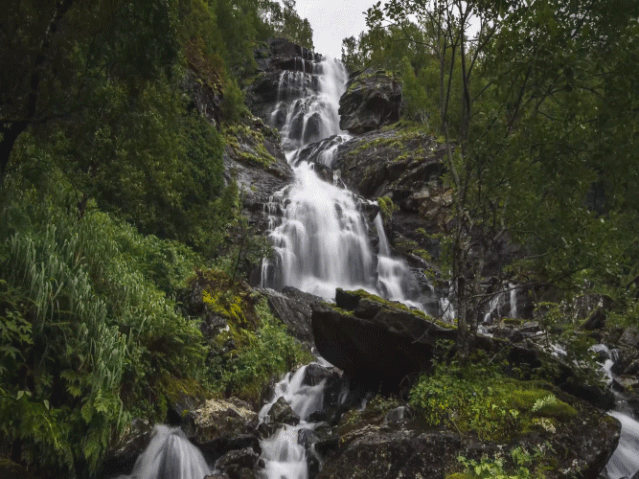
(283, 455)
(321, 241)
(170, 455)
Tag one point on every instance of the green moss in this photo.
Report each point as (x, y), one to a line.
(247, 144)
(387, 207)
(481, 401)
(374, 414)
(176, 389)
(423, 254)
(260, 347)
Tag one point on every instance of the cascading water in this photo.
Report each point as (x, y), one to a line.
(282, 453)
(321, 242)
(624, 463)
(170, 455)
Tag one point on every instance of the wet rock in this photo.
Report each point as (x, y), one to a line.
(277, 57)
(372, 100)
(399, 163)
(315, 374)
(389, 455)
(254, 159)
(238, 464)
(222, 425)
(204, 97)
(121, 458)
(378, 350)
(630, 338)
(292, 307)
(530, 327)
(373, 446)
(596, 320)
(281, 413)
(399, 414)
(323, 152)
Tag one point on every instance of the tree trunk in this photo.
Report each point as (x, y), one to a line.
(9, 137)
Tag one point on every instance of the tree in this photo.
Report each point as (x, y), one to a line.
(53, 53)
(523, 104)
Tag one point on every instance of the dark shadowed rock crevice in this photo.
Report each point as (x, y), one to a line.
(372, 100)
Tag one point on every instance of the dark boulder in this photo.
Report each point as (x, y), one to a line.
(372, 445)
(220, 426)
(121, 457)
(293, 308)
(282, 413)
(323, 152)
(377, 343)
(400, 163)
(239, 464)
(372, 100)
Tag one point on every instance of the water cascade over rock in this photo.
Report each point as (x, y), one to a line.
(319, 232)
(624, 463)
(170, 455)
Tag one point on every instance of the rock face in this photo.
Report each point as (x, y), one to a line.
(273, 58)
(379, 444)
(402, 164)
(372, 100)
(253, 158)
(374, 342)
(293, 308)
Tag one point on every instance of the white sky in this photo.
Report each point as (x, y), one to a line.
(333, 20)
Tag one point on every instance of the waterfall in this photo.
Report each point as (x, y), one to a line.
(506, 296)
(624, 463)
(283, 454)
(169, 455)
(321, 241)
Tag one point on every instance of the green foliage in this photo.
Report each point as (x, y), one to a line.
(387, 208)
(260, 354)
(496, 468)
(286, 23)
(480, 400)
(87, 330)
(414, 96)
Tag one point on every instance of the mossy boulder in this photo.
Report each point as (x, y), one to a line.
(372, 100)
(370, 445)
(375, 341)
(253, 158)
(220, 426)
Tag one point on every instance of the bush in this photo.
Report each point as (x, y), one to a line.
(83, 316)
(479, 399)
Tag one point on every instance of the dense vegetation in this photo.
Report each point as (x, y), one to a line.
(538, 104)
(114, 205)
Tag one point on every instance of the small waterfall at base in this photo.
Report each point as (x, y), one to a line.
(283, 455)
(624, 463)
(321, 241)
(170, 455)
